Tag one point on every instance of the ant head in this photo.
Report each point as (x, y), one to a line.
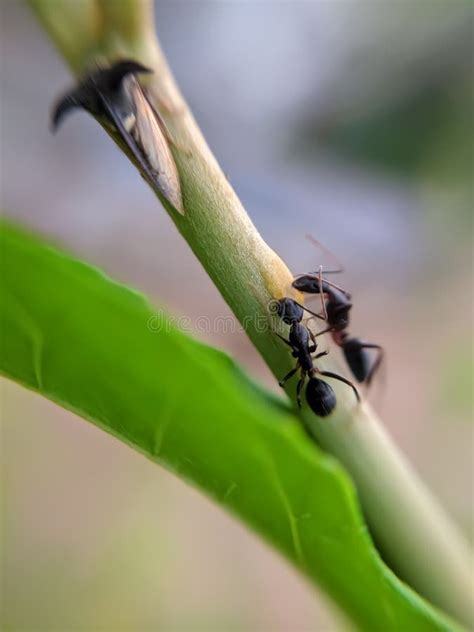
(320, 397)
(307, 283)
(289, 311)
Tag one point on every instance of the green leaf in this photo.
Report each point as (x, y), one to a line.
(86, 343)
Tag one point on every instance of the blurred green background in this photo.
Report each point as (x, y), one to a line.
(351, 121)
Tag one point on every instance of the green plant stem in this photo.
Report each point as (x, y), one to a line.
(413, 531)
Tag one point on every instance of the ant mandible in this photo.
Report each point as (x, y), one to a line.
(319, 394)
(336, 313)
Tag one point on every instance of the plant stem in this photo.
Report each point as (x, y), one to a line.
(412, 530)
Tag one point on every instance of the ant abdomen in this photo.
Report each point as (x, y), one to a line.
(320, 397)
(357, 358)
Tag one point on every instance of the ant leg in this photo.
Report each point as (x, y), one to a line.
(376, 364)
(314, 346)
(320, 283)
(298, 390)
(312, 318)
(341, 379)
(324, 331)
(320, 355)
(287, 376)
(284, 340)
(308, 310)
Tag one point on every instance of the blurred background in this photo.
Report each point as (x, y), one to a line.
(351, 121)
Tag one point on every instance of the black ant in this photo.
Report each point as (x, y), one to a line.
(319, 394)
(336, 313)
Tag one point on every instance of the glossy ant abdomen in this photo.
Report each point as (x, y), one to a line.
(359, 361)
(320, 397)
